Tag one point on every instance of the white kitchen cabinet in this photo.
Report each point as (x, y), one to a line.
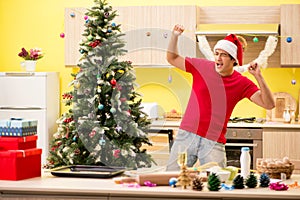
(290, 27)
(147, 32)
(32, 95)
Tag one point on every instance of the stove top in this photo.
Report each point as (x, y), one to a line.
(239, 119)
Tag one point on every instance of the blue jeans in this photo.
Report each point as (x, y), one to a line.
(196, 147)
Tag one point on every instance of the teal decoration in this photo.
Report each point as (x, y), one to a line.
(173, 181)
(72, 14)
(113, 110)
(81, 51)
(289, 39)
(113, 24)
(100, 106)
(255, 39)
(102, 142)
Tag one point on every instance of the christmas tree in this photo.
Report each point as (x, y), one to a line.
(184, 178)
(251, 181)
(238, 182)
(213, 182)
(105, 125)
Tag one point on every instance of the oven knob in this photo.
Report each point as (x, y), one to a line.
(249, 134)
(234, 134)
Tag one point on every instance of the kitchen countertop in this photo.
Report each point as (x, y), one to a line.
(164, 124)
(86, 188)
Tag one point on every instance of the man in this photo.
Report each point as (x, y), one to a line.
(216, 89)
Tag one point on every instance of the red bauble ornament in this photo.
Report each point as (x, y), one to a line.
(113, 82)
(62, 35)
(123, 99)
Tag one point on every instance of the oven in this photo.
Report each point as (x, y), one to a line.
(243, 137)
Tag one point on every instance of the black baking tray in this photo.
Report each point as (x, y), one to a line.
(87, 171)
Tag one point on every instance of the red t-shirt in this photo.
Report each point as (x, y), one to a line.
(213, 99)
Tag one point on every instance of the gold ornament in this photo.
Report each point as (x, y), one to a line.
(77, 84)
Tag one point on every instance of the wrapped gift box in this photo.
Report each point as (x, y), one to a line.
(17, 143)
(18, 127)
(20, 164)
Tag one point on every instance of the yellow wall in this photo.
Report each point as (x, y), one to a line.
(38, 23)
(279, 80)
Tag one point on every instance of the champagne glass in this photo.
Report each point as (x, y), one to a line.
(182, 157)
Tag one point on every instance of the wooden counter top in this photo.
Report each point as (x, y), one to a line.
(84, 188)
(164, 124)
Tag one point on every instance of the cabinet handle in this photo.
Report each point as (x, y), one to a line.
(241, 145)
(148, 34)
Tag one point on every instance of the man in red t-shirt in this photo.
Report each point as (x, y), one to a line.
(216, 89)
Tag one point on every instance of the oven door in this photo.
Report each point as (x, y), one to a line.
(233, 151)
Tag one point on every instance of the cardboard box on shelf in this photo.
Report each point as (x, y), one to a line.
(18, 143)
(20, 164)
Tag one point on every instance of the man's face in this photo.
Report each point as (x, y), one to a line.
(223, 62)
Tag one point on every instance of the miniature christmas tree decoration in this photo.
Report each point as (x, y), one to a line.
(184, 178)
(264, 180)
(238, 182)
(214, 182)
(251, 181)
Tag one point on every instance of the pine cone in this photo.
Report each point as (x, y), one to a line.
(238, 182)
(251, 181)
(264, 180)
(197, 184)
(214, 182)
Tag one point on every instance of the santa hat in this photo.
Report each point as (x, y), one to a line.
(233, 46)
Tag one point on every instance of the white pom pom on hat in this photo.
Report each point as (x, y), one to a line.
(233, 46)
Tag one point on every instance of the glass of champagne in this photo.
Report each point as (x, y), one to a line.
(182, 157)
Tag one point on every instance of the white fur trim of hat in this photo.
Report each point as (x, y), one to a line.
(227, 46)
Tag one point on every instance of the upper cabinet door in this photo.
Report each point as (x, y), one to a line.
(74, 27)
(290, 27)
(147, 32)
(163, 21)
(135, 24)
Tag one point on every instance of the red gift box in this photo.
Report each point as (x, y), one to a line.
(20, 164)
(16, 143)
